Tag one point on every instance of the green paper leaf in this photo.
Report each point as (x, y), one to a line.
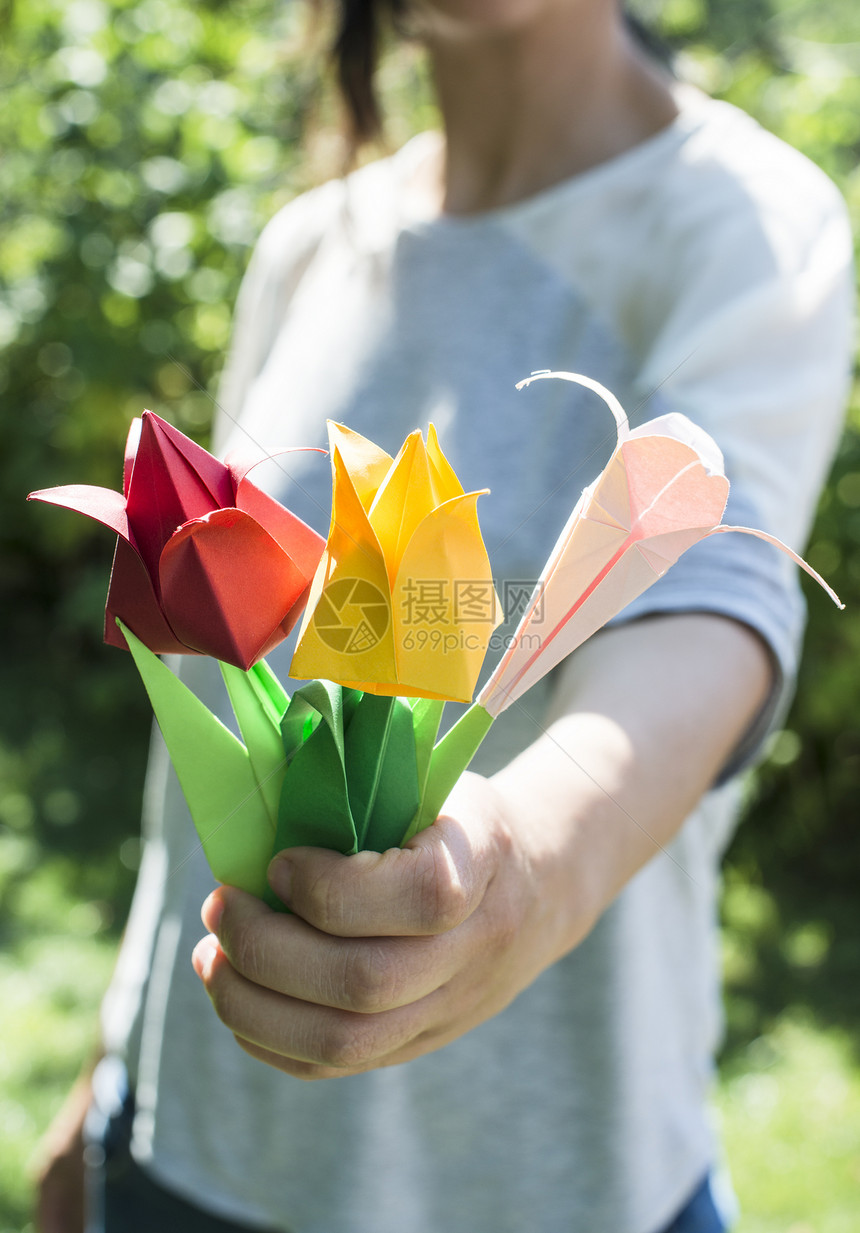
(215, 772)
(260, 725)
(381, 771)
(448, 761)
(314, 804)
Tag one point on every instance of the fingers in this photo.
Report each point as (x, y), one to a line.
(429, 887)
(289, 1065)
(288, 956)
(383, 956)
(301, 1032)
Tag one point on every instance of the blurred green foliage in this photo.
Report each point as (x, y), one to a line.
(144, 144)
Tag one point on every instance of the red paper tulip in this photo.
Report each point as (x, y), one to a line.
(206, 562)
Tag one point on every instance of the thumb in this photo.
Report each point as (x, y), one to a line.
(428, 887)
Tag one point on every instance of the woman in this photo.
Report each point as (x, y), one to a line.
(542, 958)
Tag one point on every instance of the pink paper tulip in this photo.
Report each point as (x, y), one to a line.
(205, 562)
(663, 490)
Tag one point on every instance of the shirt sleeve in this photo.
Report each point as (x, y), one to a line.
(756, 348)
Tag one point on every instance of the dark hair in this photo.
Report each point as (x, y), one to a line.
(356, 53)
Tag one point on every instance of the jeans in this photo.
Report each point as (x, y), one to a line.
(122, 1198)
(699, 1214)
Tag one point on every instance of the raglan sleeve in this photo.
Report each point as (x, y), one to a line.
(755, 345)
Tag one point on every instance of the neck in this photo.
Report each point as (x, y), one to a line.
(524, 109)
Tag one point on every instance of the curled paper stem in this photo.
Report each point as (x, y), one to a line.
(589, 383)
(798, 560)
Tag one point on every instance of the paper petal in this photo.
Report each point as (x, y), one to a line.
(173, 481)
(674, 424)
(132, 441)
(669, 488)
(629, 575)
(301, 544)
(366, 463)
(445, 481)
(227, 587)
(131, 597)
(403, 501)
(618, 412)
(440, 649)
(102, 504)
(346, 632)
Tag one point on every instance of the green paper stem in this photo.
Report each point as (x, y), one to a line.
(449, 760)
(381, 771)
(314, 805)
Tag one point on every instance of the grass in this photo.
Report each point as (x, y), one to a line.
(56, 959)
(789, 1107)
(789, 1092)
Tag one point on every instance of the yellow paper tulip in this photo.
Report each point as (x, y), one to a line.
(403, 599)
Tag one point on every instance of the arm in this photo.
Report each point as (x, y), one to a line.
(58, 1168)
(389, 956)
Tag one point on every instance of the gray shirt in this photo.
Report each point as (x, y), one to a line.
(706, 271)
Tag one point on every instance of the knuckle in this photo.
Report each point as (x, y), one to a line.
(348, 1044)
(372, 981)
(322, 902)
(443, 900)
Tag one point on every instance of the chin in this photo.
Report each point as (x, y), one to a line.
(482, 17)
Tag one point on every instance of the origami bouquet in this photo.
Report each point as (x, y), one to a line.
(399, 608)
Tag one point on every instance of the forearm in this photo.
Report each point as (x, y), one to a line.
(643, 719)
(387, 956)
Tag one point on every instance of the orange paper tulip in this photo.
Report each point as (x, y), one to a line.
(403, 600)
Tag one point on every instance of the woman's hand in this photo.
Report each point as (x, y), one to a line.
(386, 956)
